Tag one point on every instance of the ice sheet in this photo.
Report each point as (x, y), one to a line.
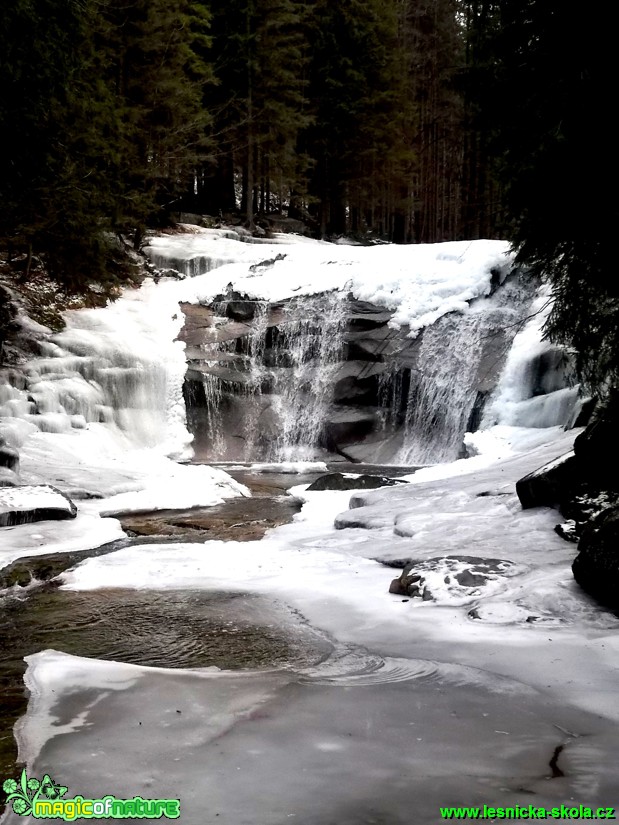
(352, 741)
(19, 499)
(333, 578)
(86, 531)
(291, 467)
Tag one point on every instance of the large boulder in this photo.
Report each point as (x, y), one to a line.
(26, 504)
(596, 568)
(550, 485)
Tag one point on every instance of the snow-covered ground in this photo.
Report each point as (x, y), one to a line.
(460, 700)
(421, 282)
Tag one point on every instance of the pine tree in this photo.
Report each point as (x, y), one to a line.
(545, 95)
(437, 48)
(53, 194)
(355, 88)
(482, 209)
(259, 105)
(155, 60)
(103, 129)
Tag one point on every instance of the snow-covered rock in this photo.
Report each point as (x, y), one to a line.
(25, 504)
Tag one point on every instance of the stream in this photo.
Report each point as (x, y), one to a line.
(177, 629)
(236, 703)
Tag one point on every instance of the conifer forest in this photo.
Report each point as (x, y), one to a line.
(411, 121)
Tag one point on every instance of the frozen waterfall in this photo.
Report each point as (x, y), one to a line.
(296, 351)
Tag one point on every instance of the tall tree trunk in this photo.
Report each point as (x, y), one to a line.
(249, 194)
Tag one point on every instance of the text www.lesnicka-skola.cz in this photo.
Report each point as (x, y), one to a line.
(528, 812)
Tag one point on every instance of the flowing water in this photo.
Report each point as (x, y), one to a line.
(275, 382)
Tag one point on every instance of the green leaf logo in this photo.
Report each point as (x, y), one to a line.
(22, 794)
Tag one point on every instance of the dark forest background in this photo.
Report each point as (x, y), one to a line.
(405, 120)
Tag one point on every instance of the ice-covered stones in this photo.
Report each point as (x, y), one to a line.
(25, 504)
(452, 577)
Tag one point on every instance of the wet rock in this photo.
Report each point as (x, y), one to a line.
(277, 358)
(357, 382)
(371, 386)
(550, 485)
(8, 478)
(168, 273)
(339, 481)
(347, 425)
(27, 504)
(9, 457)
(583, 416)
(586, 503)
(397, 587)
(378, 344)
(596, 568)
(477, 413)
(469, 579)
(408, 583)
(240, 310)
(552, 370)
(366, 316)
(239, 519)
(568, 530)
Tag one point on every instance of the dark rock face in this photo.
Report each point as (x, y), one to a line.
(237, 368)
(348, 424)
(9, 457)
(551, 371)
(407, 584)
(596, 568)
(366, 316)
(567, 531)
(338, 481)
(551, 485)
(27, 504)
(597, 448)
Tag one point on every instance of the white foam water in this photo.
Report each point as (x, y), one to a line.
(313, 335)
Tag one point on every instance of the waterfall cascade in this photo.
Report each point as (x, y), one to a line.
(256, 376)
(538, 387)
(266, 393)
(116, 372)
(293, 379)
